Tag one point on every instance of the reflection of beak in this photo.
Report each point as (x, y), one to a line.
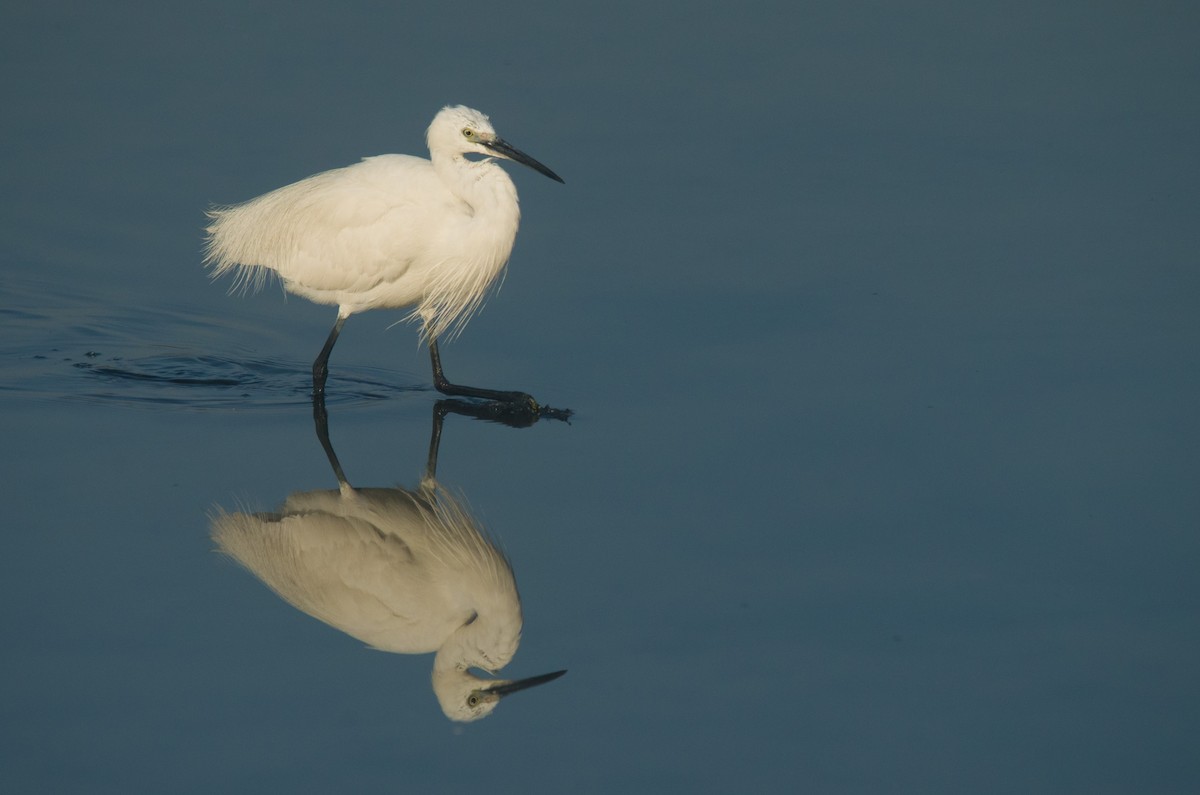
(504, 149)
(507, 688)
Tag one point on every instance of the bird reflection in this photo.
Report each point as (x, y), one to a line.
(403, 571)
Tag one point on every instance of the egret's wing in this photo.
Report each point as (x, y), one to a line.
(337, 230)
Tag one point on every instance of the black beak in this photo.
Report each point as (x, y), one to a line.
(505, 149)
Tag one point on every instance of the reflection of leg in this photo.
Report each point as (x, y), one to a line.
(321, 365)
(447, 388)
(321, 423)
(435, 441)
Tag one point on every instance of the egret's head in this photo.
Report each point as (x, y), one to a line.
(460, 130)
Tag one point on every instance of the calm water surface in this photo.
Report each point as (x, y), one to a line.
(879, 325)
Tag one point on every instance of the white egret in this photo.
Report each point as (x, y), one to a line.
(391, 231)
(402, 571)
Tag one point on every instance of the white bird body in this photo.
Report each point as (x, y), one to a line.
(392, 231)
(401, 571)
(386, 232)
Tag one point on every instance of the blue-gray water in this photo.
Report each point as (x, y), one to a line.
(880, 326)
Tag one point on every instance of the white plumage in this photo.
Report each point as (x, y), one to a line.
(392, 231)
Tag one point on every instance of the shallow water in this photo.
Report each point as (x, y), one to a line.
(879, 330)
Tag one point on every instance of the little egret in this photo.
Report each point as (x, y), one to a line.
(402, 571)
(391, 231)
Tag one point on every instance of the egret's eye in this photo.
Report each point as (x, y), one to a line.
(468, 132)
(473, 699)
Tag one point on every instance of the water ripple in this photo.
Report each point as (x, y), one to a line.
(65, 347)
(176, 377)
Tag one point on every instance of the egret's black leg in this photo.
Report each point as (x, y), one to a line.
(447, 388)
(321, 365)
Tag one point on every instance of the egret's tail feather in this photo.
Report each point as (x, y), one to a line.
(224, 258)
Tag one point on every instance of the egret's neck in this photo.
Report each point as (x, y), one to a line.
(483, 185)
(484, 233)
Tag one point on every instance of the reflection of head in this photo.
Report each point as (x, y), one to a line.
(466, 697)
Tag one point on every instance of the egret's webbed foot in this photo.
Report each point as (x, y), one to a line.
(442, 384)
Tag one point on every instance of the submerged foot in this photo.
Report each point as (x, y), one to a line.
(515, 414)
